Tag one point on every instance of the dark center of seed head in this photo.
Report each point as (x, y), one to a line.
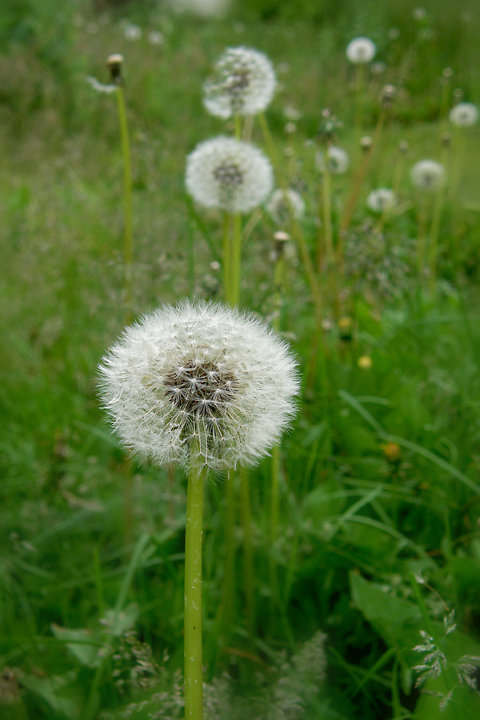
(200, 388)
(228, 175)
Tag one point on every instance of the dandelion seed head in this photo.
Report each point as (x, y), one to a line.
(282, 205)
(361, 50)
(204, 373)
(229, 174)
(427, 175)
(381, 199)
(243, 83)
(338, 160)
(464, 114)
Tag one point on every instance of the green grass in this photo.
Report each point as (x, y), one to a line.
(375, 542)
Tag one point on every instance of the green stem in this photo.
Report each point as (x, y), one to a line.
(248, 573)
(227, 259)
(193, 595)
(227, 605)
(359, 97)
(236, 258)
(127, 200)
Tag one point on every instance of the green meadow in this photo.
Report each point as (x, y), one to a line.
(341, 574)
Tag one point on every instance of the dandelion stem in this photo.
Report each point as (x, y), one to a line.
(248, 573)
(193, 595)
(127, 201)
(227, 259)
(236, 258)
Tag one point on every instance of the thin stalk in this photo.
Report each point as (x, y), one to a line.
(327, 216)
(128, 285)
(236, 258)
(359, 97)
(127, 201)
(193, 595)
(227, 258)
(248, 573)
(360, 176)
(227, 604)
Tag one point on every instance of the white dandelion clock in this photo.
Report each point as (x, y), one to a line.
(464, 114)
(199, 384)
(361, 50)
(381, 200)
(427, 175)
(243, 83)
(229, 174)
(283, 205)
(338, 160)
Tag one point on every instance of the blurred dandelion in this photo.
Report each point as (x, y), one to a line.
(282, 205)
(338, 160)
(229, 174)
(427, 175)
(361, 50)
(243, 83)
(464, 114)
(381, 200)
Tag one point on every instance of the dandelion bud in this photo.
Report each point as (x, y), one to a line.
(114, 64)
(447, 74)
(281, 239)
(403, 147)
(391, 451)
(446, 139)
(366, 143)
(345, 328)
(388, 95)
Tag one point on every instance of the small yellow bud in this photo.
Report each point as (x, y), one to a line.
(364, 362)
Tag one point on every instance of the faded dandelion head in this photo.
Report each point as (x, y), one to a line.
(243, 83)
(464, 114)
(361, 50)
(199, 384)
(427, 175)
(338, 160)
(283, 205)
(381, 199)
(228, 174)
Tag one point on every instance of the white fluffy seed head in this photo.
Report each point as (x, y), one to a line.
(464, 114)
(282, 205)
(228, 174)
(199, 384)
(361, 50)
(243, 83)
(427, 175)
(381, 199)
(338, 160)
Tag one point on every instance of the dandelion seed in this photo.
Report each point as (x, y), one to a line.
(229, 174)
(285, 204)
(381, 199)
(361, 50)
(200, 372)
(464, 114)
(243, 83)
(427, 175)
